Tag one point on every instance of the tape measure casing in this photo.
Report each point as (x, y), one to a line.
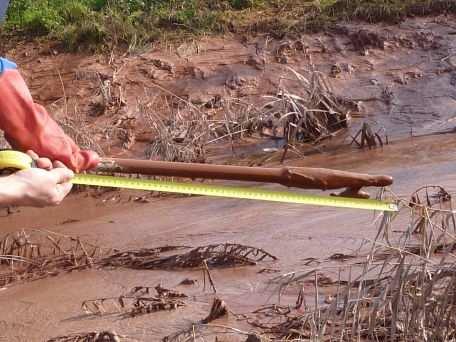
(15, 160)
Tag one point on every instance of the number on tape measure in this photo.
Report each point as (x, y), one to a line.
(233, 192)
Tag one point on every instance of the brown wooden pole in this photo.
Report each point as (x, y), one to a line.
(299, 177)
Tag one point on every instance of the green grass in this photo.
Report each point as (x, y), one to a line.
(90, 24)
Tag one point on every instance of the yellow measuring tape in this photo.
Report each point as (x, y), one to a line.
(18, 160)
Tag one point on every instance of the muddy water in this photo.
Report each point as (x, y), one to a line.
(418, 80)
(50, 307)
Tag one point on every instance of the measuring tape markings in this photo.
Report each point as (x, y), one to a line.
(19, 160)
(232, 192)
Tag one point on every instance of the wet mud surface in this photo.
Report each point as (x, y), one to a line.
(405, 87)
(50, 307)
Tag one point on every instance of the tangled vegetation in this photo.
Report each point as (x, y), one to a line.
(82, 24)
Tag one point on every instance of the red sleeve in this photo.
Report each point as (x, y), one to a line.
(28, 126)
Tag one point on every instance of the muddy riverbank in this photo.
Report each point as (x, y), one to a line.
(401, 82)
(295, 234)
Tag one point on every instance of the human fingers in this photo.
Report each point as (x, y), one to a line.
(33, 155)
(42, 163)
(85, 160)
(63, 190)
(61, 175)
(58, 164)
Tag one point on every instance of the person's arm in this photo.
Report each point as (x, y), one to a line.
(28, 126)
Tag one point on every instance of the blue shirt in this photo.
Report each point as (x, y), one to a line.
(3, 7)
(6, 64)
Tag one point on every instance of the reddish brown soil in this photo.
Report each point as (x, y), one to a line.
(416, 65)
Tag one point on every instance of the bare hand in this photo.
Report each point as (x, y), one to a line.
(41, 188)
(44, 186)
(42, 163)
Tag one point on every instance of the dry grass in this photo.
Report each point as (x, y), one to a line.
(217, 255)
(312, 115)
(367, 137)
(179, 137)
(183, 131)
(38, 254)
(218, 309)
(138, 301)
(398, 287)
(102, 336)
(30, 255)
(75, 126)
(402, 289)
